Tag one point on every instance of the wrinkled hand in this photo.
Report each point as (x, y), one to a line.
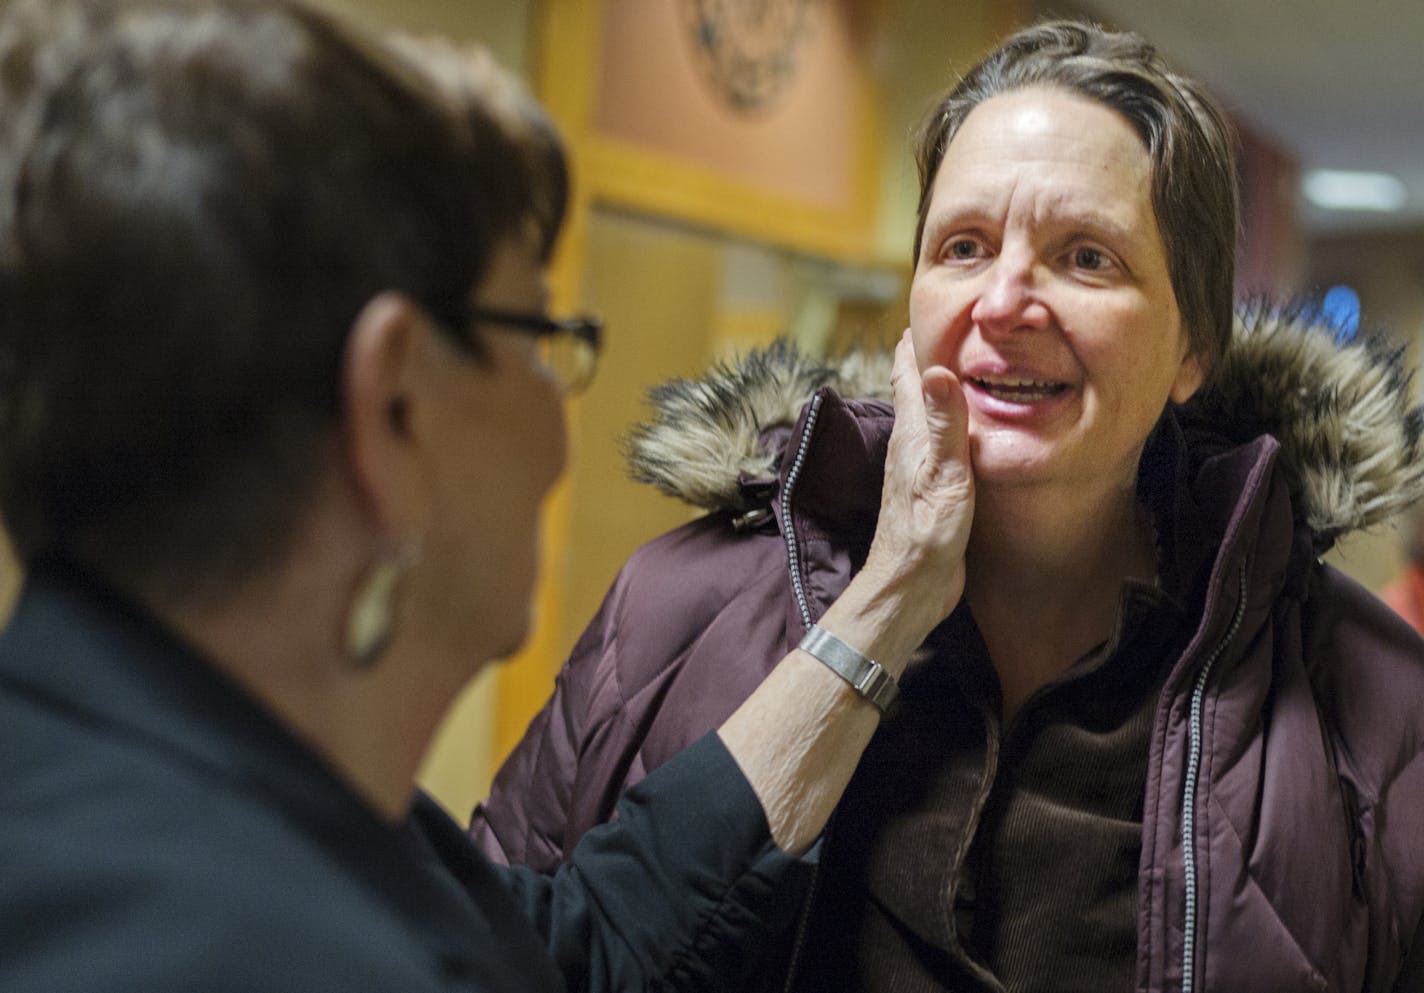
(799, 737)
(927, 504)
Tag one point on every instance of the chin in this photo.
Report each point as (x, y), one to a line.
(509, 643)
(511, 649)
(999, 460)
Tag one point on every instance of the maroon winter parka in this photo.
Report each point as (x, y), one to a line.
(1283, 823)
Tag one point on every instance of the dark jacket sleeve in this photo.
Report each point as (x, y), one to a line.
(682, 892)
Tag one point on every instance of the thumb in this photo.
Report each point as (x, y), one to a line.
(946, 416)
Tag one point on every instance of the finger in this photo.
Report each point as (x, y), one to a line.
(946, 416)
(905, 379)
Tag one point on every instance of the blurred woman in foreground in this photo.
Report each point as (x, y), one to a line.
(275, 435)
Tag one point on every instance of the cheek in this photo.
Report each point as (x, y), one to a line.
(934, 321)
(558, 446)
(1134, 376)
(1129, 339)
(1161, 364)
(533, 440)
(552, 426)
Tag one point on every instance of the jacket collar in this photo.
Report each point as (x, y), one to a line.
(841, 466)
(1193, 502)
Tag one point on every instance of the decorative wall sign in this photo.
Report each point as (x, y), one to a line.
(748, 49)
(768, 130)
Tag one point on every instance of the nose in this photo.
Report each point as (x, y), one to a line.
(1008, 300)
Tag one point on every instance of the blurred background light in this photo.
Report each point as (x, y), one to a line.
(1339, 189)
(1341, 307)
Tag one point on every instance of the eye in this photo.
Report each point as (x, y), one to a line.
(1085, 257)
(1092, 260)
(963, 249)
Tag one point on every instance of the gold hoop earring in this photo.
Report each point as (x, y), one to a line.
(370, 619)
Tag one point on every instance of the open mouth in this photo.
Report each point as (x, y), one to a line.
(1019, 390)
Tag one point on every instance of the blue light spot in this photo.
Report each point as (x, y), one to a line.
(1341, 308)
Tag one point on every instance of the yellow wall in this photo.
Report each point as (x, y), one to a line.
(657, 289)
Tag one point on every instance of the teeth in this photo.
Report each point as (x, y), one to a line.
(1020, 384)
(1020, 389)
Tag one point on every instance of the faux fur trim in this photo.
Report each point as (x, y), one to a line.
(1344, 414)
(1349, 430)
(705, 433)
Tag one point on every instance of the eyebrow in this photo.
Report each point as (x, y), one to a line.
(972, 214)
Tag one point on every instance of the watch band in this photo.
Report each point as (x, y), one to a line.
(866, 676)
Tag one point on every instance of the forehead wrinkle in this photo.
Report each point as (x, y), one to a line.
(1013, 197)
(1055, 209)
(1098, 181)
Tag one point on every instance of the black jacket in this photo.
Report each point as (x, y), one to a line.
(159, 830)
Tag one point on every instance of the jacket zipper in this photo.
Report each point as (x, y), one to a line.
(803, 604)
(1195, 729)
(1189, 793)
(793, 557)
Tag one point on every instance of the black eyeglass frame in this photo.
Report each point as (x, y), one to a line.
(584, 328)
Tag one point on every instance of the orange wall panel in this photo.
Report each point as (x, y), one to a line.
(652, 94)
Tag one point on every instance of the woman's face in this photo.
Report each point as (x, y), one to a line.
(1042, 283)
(504, 447)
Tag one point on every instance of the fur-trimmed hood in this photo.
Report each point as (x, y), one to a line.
(1349, 430)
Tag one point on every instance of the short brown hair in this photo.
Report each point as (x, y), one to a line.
(480, 90)
(1189, 140)
(197, 197)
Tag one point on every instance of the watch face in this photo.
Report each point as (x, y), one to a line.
(747, 49)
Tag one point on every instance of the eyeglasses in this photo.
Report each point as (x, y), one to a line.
(569, 348)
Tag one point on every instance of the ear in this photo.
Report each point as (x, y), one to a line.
(1190, 375)
(382, 368)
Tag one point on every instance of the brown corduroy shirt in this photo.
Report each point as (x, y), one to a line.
(973, 856)
(969, 855)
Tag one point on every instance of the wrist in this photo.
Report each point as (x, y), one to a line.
(864, 675)
(888, 620)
